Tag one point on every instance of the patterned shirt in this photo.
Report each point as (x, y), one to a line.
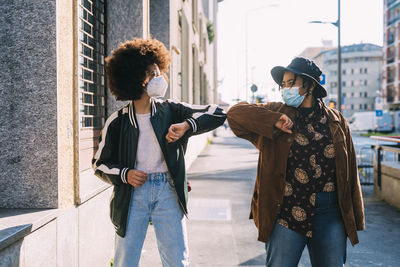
(310, 169)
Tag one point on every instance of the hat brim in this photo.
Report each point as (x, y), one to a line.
(278, 72)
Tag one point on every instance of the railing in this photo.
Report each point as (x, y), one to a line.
(369, 155)
(385, 153)
(365, 165)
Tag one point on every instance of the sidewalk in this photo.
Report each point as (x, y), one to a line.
(220, 233)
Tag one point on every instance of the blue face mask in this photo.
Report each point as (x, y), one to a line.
(292, 97)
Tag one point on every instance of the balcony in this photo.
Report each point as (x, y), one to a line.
(390, 60)
(393, 16)
(390, 40)
(391, 2)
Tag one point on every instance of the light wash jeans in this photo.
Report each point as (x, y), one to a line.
(155, 201)
(327, 247)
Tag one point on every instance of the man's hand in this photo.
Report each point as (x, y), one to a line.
(176, 131)
(137, 178)
(284, 124)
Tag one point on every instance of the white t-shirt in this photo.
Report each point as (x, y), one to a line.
(149, 157)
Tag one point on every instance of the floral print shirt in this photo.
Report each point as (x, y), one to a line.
(310, 169)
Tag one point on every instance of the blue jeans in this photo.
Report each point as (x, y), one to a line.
(155, 201)
(327, 247)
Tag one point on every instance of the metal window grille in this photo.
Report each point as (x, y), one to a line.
(91, 49)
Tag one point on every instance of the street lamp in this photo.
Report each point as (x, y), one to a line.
(339, 58)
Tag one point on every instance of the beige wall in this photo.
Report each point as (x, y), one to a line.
(390, 183)
(182, 43)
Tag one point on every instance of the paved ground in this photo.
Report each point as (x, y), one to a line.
(220, 233)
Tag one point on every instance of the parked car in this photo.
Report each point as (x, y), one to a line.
(362, 121)
(368, 121)
(384, 123)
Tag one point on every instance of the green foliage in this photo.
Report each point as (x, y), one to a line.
(210, 32)
(112, 262)
(379, 134)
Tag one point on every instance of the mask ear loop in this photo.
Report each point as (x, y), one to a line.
(308, 90)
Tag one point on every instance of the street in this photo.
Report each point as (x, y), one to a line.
(220, 233)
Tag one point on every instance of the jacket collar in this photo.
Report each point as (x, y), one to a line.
(330, 113)
(132, 113)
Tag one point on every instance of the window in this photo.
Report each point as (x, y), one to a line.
(352, 83)
(195, 17)
(366, 70)
(352, 106)
(352, 71)
(361, 94)
(344, 94)
(365, 106)
(352, 94)
(184, 66)
(91, 89)
(361, 106)
(365, 94)
(91, 48)
(361, 70)
(344, 83)
(344, 72)
(195, 76)
(365, 82)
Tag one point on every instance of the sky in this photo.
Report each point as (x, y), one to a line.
(279, 30)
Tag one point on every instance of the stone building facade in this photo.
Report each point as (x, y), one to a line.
(391, 52)
(54, 102)
(361, 76)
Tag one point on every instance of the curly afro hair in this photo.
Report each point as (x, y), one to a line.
(127, 65)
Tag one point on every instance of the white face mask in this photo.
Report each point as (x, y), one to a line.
(157, 87)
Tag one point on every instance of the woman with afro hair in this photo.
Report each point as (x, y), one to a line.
(141, 153)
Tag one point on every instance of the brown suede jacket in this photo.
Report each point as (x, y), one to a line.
(255, 122)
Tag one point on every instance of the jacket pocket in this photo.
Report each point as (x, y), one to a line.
(113, 211)
(119, 205)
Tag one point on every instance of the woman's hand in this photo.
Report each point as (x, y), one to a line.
(136, 178)
(176, 131)
(284, 124)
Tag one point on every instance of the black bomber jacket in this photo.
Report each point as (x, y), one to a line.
(118, 143)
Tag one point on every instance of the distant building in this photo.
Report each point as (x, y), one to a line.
(391, 53)
(316, 53)
(361, 76)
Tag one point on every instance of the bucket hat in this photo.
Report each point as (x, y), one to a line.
(301, 66)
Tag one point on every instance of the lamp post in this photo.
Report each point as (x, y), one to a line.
(339, 59)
